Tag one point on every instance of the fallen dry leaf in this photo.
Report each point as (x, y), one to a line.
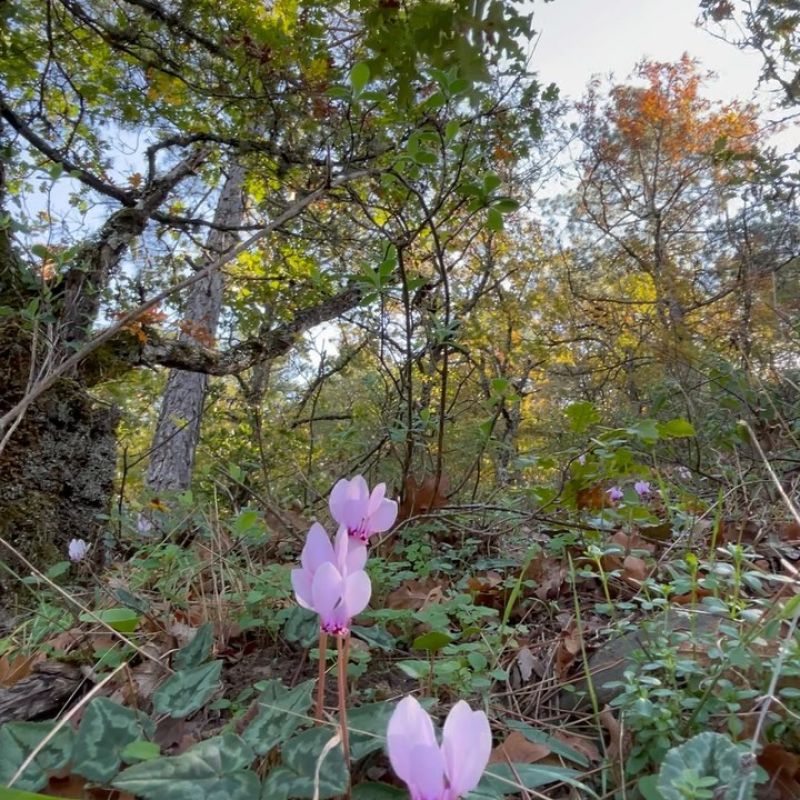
(569, 645)
(634, 569)
(16, 668)
(618, 746)
(580, 744)
(516, 749)
(783, 769)
(419, 498)
(416, 594)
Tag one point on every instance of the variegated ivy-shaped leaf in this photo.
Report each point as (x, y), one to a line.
(299, 775)
(105, 730)
(280, 713)
(17, 742)
(187, 690)
(213, 769)
(196, 652)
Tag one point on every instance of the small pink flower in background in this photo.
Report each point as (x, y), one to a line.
(331, 579)
(643, 489)
(432, 772)
(77, 550)
(615, 494)
(361, 513)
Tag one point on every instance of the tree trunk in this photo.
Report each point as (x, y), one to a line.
(58, 458)
(178, 430)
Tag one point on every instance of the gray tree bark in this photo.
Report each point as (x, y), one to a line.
(178, 429)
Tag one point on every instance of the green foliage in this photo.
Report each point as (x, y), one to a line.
(306, 768)
(187, 690)
(197, 651)
(17, 742)
(106, 730)
(280, 712)
(217, 767)
(708, 765)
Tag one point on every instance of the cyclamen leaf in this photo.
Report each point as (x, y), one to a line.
(280, 713)
(215, 768)
(196, 652)
(17, 742)
(105, 731)
(187, 690)
(297, 777)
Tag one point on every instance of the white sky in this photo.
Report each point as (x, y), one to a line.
(579, 38)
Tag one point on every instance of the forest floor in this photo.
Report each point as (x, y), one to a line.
(597, 646)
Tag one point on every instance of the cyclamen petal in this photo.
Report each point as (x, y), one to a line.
(383, 517)
(431, 772)
(348, 501)
(428, 782)
(409, 726)
(356, 593)
(326, 592)
(77, 550)
(317, 550)
(301, 583)
(466, 747)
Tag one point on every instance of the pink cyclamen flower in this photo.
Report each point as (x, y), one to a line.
(360, 512)
(331, 580)
(643, 488)
(432, 772)
(77, 550)
(615, 494)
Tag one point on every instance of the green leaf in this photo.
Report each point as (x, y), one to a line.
(246, 522)
(451, 129)
(431, 641)
(17, 742)
(280, 712)
(648, 788)
(301, 626)
(197, 651)
(505, 205)
(106, 730)
(359, 77)
(494, 220)
(120, 619)
(414, 669)
(376, 636)
(140, 751)
(213, 769)
(707, 755)
(491, 182)
(367, 725)
(297, 777)
(372, 790)
(499, 780)
(56, 171)
(645, 431)
(187, 690)
(425, 158)
(16, 794)
(582, 415)
(676, 429)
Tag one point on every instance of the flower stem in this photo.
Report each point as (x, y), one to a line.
(323, 649)
(343, 648)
